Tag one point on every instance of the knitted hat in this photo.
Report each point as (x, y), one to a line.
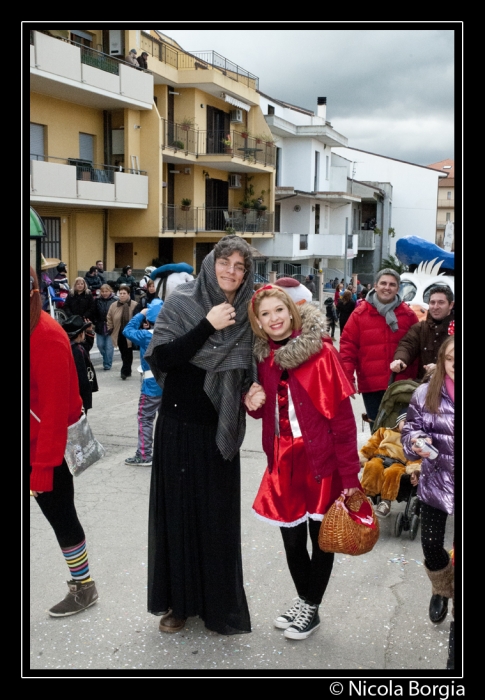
(400, 418)
(298, 292)
(132, 50)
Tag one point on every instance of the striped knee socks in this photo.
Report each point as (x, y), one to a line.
(77, 560)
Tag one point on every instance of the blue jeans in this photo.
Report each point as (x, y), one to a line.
(105, 347)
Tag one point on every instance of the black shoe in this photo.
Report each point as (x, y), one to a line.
(305, 624)
(123, 376)
(438, 608)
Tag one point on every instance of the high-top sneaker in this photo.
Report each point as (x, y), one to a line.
(285, 620)
(307, 622)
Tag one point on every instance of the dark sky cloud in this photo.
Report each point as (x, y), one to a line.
(389, 91)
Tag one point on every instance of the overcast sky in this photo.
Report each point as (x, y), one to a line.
(389, 91)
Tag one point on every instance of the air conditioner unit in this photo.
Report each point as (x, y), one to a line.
(237, 116)
(234, 181)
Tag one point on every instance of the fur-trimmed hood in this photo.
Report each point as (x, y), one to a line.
(304, 343)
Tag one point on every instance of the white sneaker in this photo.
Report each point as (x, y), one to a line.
(383, 509)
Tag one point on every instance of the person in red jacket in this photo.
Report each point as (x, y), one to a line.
(313, 456)
(52, 369)
(370, 339)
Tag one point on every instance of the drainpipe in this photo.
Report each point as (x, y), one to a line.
(105, 237)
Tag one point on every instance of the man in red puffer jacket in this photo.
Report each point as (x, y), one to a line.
(371, 336)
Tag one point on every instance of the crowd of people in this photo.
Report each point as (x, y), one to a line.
(211, 352)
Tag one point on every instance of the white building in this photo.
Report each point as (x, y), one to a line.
(313, 204)
(412, 208)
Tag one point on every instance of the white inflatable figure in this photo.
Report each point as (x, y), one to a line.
(169, 277)
(174, 280)
(415, 286)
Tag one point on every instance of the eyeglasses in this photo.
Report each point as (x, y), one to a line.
(224, 265)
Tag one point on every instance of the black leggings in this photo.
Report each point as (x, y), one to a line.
(126, 354)
(58, 507)
(310, 575)
(433, 523)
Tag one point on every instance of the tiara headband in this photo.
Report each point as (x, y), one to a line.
(266, 286)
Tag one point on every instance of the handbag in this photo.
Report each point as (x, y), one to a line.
(350, 526)
(82, 449)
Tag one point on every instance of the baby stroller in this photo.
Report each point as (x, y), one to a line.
(394, 403)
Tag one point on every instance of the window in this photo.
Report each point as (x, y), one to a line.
(317, 218)
(37, 151)
(448, 195)
(303, 241)
(270, 109)
(51, 244)
(448, 216)
(277, 217)
(326, 212)
(82, 38)
(317, 171)
(86, 147)
(327, 167)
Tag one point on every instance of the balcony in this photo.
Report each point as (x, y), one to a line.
(76, 181)
(69, 71)
(197, 60)
(446, 203)
(296, 245)
(194, 220)
(367, 240)
(194, 142)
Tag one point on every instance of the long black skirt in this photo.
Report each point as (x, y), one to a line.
(194, 529)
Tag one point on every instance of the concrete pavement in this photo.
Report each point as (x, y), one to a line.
(374, 618)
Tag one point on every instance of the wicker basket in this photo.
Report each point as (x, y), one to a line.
(341, 534)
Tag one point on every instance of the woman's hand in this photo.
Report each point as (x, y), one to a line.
(255, 397)
(350, 492)
(421, 451)
(221, 316)
(35, 493)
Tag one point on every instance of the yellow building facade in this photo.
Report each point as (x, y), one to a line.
(136, 166)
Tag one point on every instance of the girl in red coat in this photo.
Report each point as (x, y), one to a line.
(309, 437)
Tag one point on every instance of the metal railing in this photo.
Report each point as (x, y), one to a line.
(197, 142)
(92, 57)
(198, 60)
(86, 170)
(203, 219)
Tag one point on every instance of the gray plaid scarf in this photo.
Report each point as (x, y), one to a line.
(386, 310)
(226, 356)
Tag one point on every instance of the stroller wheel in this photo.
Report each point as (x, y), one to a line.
(414, 527)
(398, 524)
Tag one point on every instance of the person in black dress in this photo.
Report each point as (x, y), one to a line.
(345, 306)
(201, 356)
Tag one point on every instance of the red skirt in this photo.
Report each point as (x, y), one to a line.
(290, 494)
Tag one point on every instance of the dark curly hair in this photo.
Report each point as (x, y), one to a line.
(233, 244)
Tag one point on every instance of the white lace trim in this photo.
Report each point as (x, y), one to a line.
(279, 523)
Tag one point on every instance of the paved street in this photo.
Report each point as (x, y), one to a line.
(374, 615)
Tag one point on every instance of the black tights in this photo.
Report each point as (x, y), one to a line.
(310, 575)
(59, 509)
(433, 523)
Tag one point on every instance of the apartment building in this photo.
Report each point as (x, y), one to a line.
(314, 209)
(446, 199)
(139, 165)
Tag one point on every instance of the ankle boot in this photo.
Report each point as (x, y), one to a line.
(442, 582)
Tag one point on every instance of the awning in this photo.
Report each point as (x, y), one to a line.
(236, 103)
(37, 227)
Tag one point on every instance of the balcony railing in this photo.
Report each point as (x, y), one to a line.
(196, 142)
(90, 56)
(196, 60)
(86, 170)
(366, 240)
(202, 219)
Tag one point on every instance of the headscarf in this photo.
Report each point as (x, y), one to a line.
(386, 310)
(226, 356)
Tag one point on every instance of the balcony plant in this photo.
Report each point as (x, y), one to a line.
(178, 144)
(246, 205)
(245, 134)
(186, 204)
(187, 123)
(227, 143)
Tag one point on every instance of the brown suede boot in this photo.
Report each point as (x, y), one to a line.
(442, 582)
